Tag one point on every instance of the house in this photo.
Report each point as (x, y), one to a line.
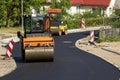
(80, 6)
(117, 4)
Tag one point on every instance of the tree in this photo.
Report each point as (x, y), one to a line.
(117, 12)
(116, 19)
(10, 14)
(2, 12)
(63, 4)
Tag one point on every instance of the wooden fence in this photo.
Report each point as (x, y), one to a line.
(109, 32)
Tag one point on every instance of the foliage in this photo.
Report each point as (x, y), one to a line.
(94, 21)
(64, 5)
(109, 39)
(117, 12)
(32, 3)
(116, 24)
(75, 21)
(10, 14)
(116, 19)
(72, 25)
(91, 19)
(10, 29)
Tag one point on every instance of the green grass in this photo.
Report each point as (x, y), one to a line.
(10, 29)
(109, 39)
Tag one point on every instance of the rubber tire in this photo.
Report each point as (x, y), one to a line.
(60, 33)
(65, 33)
(23, 53)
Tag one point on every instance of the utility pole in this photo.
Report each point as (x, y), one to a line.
(22, 15)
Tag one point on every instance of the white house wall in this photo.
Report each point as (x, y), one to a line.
(72, 10)
(80, 9)
(109, 9)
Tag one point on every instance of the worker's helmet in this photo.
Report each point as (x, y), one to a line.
(61, 22)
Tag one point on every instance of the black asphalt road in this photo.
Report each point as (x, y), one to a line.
(70, 64)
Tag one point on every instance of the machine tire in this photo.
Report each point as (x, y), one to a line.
(60, 33)
(23, 54)
(22, 50)
(65, 33)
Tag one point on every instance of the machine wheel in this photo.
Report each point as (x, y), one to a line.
(39, 54)
(23, 53)
(60, 33)
(65, 32)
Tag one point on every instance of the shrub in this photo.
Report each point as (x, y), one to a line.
(94, 21)
(109, 39)
(73, 24)
(115, 22)
(116, 19)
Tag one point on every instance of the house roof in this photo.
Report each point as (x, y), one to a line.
(76, 2)
(103, 3)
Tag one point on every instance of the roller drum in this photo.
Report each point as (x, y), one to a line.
(39, 54)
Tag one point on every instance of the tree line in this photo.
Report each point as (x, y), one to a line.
(11, 11)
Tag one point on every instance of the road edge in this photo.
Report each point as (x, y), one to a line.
(107, 60)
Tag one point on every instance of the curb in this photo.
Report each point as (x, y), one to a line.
(110, 50)
(83, 30)
(103, 48)
(113, 51)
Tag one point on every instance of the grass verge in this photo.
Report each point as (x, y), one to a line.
(109, 39)
(10, 29)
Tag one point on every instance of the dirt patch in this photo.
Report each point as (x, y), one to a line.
(3, 36)
(6, 66)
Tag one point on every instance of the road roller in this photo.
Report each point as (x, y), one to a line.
(57, 26)
(37, 43)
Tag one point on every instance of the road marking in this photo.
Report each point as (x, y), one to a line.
(67, 42)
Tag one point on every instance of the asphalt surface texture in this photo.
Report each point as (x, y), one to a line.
(70, 63)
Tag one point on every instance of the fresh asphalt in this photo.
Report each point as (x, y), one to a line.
(70, 63)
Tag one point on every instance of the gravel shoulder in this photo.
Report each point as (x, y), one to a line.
(109, 56)
(6, 65)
